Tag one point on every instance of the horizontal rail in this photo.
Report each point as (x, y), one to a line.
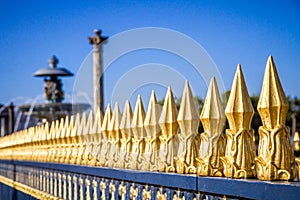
(215, 186)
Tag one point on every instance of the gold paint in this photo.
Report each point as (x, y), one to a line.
(75, 186)
(103, 158)
(238, 161)
(69, 187)
(169, 139)
(126, 137)
(96, 135)
(133, 192)
(146, 193)
(188, 120)
(94, 185)
(296, 141)
(102, 186)
(160, 195)
(112, 189)
(139, 133)
(87, 191)
(65, 186)
(122, 191)
(275, 160)
(59, 185)
(153, 132)
(81, 188)
(114, 138)
(212, 142)
(81, 159)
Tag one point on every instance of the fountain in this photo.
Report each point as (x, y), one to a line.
(54, 108)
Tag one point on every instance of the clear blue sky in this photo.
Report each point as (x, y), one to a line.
(232, 32)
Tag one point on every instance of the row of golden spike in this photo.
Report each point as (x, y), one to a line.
(166, 139)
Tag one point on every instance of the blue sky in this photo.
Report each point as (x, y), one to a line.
(232, 32)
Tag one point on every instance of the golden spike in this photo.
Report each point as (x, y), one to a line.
(188, 120)
(74, 140)
(81, 159)
(57, 140)
(95, 132)
(168, 139)
(153, 131)
(126, 137)
(103, 157)
(238, 161)
(52, 145)
(275, 159)
(96, 127)
(69, 144)
(114, 137)
(88, 140)
(139, 133)
(89, 123)
(296, 141)
(212, 143)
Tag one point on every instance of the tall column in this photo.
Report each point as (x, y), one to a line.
(11, 118)
(97, 42)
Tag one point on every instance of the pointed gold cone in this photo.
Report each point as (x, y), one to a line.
(275, 159)
(70, 127)
(188, 116)
(138, 119)
(151, 122)
(239, 109)
(240, 148)
(126, 143)
(89, 123)
(153, 130)
(82, 125)
(188, 120)
(296, 141)
(106, 121)
(168, 140)
(125, 124)
(96, 127)
(213, 116)
(114, 137)
(169, 114)
(139, 133)
(272, 102)
(103, 158)
(65, 127)
(114, 124)
(74, 132)
(212, 145)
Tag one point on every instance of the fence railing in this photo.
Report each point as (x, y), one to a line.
(163, 139)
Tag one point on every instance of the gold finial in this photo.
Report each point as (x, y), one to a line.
(212, 144)
(81, 145)
(296, 141)
(240, 148)
(89, 123)
(188, 120)
(239, 109)
(126, 143)
(138, 119)
(114, 137)
(96, 127)
(275, 159)
(153, 131)
(96, 136)
(139, 133)
(272, 100)
(168, 139)
(151, 122)
(104, 130)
